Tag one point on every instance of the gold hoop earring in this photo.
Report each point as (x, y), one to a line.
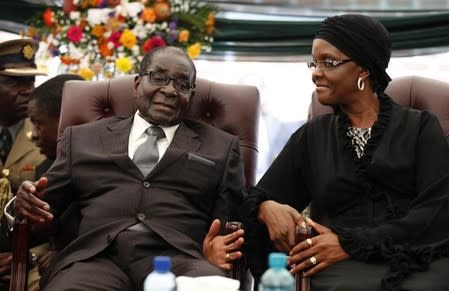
(360, 84)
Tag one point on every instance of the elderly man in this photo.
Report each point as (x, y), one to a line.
(150, 184)
(18, 155)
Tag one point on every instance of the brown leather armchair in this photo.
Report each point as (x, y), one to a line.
(233, 108)
(409, 91)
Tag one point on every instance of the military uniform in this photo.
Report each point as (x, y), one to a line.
(18, 160)
(23, 158)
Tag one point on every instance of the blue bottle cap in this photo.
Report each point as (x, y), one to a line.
(162, 264)
(277, 260)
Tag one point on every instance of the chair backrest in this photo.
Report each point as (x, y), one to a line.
(410, 91)
(233, 108)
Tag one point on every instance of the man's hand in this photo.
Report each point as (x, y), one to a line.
(318, 252)
(28, 203)
(44, 261)
(220, 250)
(281, 221)
(5, 269)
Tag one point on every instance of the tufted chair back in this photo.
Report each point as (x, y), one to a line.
(410, 91)
(233, 108)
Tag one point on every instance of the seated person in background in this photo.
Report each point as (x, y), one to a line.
(44, 110)
(376, 175)
(130, 210)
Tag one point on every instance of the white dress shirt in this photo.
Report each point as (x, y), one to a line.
(137, 136)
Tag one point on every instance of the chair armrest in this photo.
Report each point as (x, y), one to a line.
(238, 266)
(20, 256)
(301, 234)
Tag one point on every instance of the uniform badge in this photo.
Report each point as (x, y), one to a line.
(28, 52)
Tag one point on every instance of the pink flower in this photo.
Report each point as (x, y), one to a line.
(152, 43)
(74, 34)
(115, 38)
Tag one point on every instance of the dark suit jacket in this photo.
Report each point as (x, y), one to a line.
(199, 178)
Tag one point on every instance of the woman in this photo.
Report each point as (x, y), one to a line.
(376, 176)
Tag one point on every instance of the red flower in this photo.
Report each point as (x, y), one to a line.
(152, 43)
(48, 17)
(74, 34)
(114, 38)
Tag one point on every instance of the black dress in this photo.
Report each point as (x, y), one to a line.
(390, 208)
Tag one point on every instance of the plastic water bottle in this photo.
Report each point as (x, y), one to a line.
(277, 278)
(161, 279)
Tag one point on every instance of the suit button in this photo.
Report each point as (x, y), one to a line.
(146, 184)
(140, 216)
(109, 238)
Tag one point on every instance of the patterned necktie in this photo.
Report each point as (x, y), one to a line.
(5, 144)
(147, 154)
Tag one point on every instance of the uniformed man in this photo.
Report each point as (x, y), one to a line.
(18, 154)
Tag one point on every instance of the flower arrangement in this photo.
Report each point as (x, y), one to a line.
(104, 37)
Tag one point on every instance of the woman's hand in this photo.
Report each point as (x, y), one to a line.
(221, 250)
(28, 203)
(281, 221)
(316, 253)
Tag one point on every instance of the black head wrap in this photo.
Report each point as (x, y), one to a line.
(363, 39)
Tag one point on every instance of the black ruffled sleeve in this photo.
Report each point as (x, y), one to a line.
(410, 241)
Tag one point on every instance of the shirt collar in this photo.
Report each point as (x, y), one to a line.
(140, 125)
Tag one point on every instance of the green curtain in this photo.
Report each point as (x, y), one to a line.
(294, 38)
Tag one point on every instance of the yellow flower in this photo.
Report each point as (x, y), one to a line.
(194, 50)
(128, 38)
(86, 73)
(123, 64)
(184, 35)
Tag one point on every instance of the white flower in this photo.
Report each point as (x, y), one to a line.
(140, 31)
(75, 15)
(134, 8)
(98, 15)
(110, 45)
(75, 53)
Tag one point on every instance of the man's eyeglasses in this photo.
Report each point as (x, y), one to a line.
(183, 86)
(327, 64)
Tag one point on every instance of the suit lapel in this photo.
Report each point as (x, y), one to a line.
(115, 144)
(184, 140)
(22, 144)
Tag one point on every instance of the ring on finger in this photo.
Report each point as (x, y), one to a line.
(228, 256)
(312, 260)
(309, 242)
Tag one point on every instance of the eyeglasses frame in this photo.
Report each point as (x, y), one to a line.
(313, 65)
(150, 72)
